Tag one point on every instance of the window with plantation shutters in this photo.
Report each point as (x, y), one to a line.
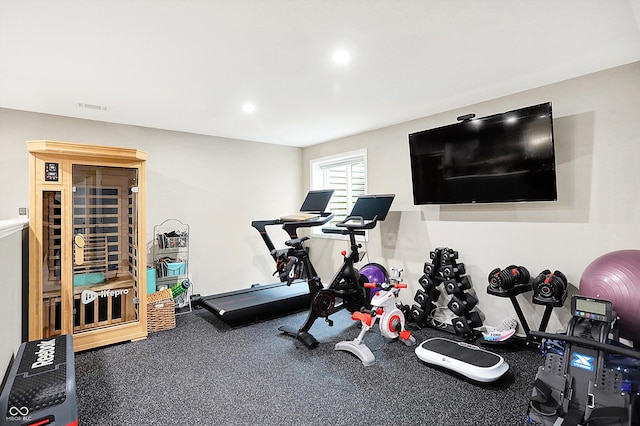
(347, 175)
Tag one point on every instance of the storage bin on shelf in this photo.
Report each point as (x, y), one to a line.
(173, 240)
(170, 267)
(161, 313)
(175, 268)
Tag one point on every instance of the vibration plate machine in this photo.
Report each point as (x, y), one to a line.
(293, 267)
(469, 360)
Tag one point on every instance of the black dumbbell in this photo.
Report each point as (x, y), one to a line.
(454, 286)
(429, 269)
(465, 324)
(462, 303)
(452, 270)
(425, 282)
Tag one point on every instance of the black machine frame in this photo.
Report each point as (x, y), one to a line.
(577, 386)
(346, 289)
(292, 267)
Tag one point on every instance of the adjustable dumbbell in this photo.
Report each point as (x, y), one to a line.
(508, 277)
(550, 287)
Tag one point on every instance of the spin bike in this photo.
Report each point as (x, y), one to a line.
(347, 285)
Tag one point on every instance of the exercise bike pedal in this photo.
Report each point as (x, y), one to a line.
(407, 338)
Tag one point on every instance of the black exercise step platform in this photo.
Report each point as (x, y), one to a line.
(258, 302)
(41, 385)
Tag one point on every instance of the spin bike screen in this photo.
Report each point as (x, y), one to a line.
(370, 206)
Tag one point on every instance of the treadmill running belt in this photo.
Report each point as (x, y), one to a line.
(262, 301)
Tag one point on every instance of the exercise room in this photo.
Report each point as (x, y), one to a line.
(345, 212)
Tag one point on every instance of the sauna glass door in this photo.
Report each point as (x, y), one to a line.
(105, 246)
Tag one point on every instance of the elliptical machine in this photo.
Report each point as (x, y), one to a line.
(346, 289)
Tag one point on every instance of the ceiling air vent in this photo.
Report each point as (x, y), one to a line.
(91, 106)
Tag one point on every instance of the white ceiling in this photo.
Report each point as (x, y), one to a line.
(190, 65)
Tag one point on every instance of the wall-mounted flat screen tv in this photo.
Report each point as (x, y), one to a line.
(507, 157)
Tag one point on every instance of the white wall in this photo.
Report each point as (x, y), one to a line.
(11, 243)
(597, 126)
(216, 185)
(219, 186)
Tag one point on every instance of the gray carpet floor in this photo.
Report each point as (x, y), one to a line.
(204, 372)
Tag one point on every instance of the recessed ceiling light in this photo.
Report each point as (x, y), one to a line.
(248, 108)
(341, 56)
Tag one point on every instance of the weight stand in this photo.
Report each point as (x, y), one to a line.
(511, 293)
(444, 270)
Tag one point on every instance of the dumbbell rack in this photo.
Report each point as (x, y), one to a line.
(443, 269)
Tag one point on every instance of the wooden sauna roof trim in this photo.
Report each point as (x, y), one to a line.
(75, 149)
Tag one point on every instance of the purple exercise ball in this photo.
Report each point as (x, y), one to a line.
(615, 277)
(375, 273)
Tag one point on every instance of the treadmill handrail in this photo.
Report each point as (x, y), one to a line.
(290, 228)
(323, 218)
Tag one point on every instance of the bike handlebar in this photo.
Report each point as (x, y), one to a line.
(375, 285)
(346, 223)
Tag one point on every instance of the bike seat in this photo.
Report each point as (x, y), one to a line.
(295, 241)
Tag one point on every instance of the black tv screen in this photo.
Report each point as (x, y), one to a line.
(507, 157)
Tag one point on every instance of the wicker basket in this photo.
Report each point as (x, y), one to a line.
(161, 314)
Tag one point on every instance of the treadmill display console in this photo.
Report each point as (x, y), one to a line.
(593, 309)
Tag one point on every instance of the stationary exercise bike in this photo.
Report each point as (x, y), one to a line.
(385, 311)
(346, 289)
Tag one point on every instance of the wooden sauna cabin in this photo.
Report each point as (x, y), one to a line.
(87, 250)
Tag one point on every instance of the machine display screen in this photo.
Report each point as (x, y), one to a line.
(591, 306)
(592, 309)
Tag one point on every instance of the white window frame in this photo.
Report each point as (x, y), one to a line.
(318, 180)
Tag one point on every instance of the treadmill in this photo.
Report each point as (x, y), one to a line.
(289, 295)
